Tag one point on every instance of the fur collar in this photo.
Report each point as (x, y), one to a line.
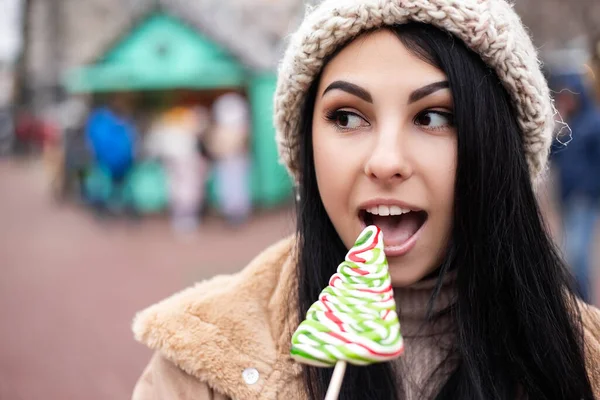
(219, 327)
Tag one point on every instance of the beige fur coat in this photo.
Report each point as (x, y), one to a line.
(228, 337)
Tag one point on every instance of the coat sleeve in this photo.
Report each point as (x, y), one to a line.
(163, 380)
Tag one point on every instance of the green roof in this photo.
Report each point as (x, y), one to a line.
(162, 52)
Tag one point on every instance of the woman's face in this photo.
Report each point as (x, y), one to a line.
(385, 151)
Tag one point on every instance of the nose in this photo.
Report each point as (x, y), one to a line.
(389, 159)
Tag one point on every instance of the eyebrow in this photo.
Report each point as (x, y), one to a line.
(350, 88)
(427, 90)
(366, 96)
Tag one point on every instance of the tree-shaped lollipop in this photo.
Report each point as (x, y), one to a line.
(355, 318)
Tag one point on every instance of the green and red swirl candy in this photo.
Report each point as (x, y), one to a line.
(355, 318)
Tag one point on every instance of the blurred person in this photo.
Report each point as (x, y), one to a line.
(51, 140)
(28, 132)
(594, 70)
(53, 147)
(438, 139)
(228, 146)
(112, 138)
(174, 139)
(74, 150)
(578, 164)
(7, 132)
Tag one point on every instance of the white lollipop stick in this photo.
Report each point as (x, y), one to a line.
(336, 381)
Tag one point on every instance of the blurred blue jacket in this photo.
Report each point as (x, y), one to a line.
(579, 160)
(112, 141)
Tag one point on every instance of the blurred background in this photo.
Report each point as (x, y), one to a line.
(137, 156)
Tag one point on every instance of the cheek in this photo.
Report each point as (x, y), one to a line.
(445, 178)
(437, 160)
(335, 162)
(335, 168)
(326, 153)
(441, 182)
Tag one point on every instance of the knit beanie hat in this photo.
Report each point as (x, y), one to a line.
(491, 28)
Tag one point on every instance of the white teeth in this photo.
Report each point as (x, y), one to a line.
(395, 210)
(387, 210)
(384, 211)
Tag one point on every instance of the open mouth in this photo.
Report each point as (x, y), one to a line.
(399, 226)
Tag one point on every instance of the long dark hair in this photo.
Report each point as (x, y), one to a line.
(518, 329)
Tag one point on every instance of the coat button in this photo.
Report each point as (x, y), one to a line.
(250, 376)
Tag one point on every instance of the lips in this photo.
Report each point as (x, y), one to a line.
(400, 224)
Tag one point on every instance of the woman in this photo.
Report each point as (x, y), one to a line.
(228, 144)
(173, 138)
(378, 114)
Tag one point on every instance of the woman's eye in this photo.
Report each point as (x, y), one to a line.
(347, 120)
(435, 120)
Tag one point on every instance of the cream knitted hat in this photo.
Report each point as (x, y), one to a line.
(491, 28)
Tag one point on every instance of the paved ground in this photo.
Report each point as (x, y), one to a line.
(70, 285)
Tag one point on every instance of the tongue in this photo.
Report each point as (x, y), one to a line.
(398, 229)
